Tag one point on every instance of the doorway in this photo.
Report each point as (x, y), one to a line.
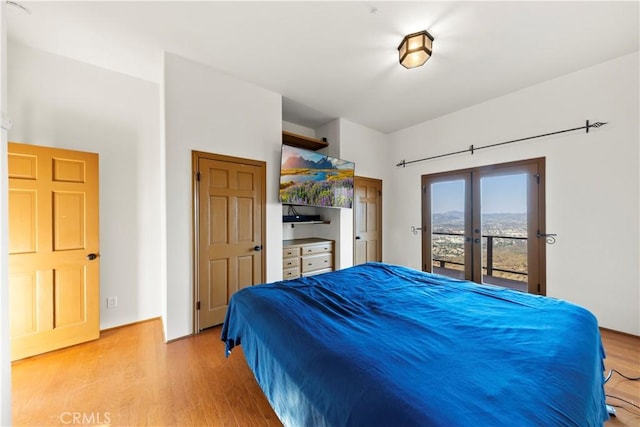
(229, 231)
(367, 220)
(484, 224)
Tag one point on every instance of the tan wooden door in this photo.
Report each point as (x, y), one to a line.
(230, 219)
(367, 220)
(53, 248)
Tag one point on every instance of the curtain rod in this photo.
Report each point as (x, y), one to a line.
(473, 148)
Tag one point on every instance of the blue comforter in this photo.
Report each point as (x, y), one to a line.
(384, 345)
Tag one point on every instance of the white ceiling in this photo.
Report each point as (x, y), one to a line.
(339, 59)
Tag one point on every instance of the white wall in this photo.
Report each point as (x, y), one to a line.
(208, 111)
(592, 180)
(58, 102)
(368, 148)
(298, 129)
(5, 341)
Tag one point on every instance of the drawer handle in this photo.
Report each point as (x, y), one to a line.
(288, 263)
(310, 263)
(326, 260)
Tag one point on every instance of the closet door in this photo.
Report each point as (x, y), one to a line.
(367, 220)
(230, 210)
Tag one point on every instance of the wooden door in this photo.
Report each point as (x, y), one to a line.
(54, 267)
(367, 220)
(230, 194)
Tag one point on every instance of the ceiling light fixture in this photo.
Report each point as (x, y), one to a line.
(415, 49)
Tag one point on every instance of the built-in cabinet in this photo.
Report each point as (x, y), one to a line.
(306, 257)
(305, 254)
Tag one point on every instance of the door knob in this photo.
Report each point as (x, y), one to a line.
(257, 248)
(357, 237)
(91, 257)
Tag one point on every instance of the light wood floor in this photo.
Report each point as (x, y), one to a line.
(129, 377)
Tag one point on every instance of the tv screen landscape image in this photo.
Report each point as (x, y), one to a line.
(314, 179)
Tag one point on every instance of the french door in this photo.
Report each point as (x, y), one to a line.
(485, 224)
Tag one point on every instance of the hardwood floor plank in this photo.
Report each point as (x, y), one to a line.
(623, 355)
(132, 377)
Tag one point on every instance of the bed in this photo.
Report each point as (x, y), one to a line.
(385, 345)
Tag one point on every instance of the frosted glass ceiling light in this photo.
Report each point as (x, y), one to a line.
(415, 49)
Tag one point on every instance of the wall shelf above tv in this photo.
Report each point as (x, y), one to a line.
(302, 141)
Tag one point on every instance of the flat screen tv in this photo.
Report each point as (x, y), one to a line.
(314, 179)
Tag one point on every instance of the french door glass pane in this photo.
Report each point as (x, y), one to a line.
(504, 230)
(447, 228)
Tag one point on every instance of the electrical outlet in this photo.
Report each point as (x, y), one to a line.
(112, 302)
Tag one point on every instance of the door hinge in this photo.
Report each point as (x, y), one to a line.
(198, 305)
(198, 176)
(537, 175)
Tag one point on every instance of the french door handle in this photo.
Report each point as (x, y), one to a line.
(91, 257)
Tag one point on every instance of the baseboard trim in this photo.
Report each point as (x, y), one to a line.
(179, 338)
(130, 324)
(620, 332)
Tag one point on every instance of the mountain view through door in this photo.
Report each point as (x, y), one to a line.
(483, 225)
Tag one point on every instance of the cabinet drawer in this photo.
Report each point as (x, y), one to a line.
(313, 273)
(290, 273)
(290, 252)
(316, 249)
(316, 262)
(291, 262)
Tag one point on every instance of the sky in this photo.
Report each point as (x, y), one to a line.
(500, 194)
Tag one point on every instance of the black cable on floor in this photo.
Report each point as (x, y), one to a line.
(621, 374)
(625, 401)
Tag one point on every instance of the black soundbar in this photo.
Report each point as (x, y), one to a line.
(300, 218)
